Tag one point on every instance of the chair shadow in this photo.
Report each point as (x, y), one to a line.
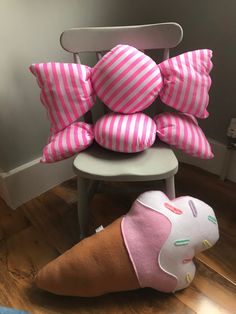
(118, 302)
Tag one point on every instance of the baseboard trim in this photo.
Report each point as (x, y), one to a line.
(23, 183)
(222, 164)
(27, 181)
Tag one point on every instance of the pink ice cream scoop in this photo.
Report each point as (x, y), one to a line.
(163, 236)
(151, 246)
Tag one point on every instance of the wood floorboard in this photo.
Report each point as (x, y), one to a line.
(11, 221)
(222, 197)
(45, 227)
(21, 256)
(214, 294)
(47, 214)
(67, 191)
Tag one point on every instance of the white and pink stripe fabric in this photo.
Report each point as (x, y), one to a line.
(187, 82)
(182, 131)
(66, 91)
(73, 139)
(125, 133)
(126, 80)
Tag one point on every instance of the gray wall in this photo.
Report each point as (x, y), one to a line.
(30, 33)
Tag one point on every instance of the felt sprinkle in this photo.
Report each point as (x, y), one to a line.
(193, 208)
(187, 260)
(207, 244)
(188, 278)
(212, 219)
(173, 209)
(182, 242)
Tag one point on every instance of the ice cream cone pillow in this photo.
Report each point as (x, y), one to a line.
(153, 245)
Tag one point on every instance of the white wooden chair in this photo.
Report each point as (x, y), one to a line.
(97, 164)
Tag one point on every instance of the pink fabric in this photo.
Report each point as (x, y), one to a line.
(66, 91)
(126, 80)
(187, 82)
(73, 139)
(125, 133)
(145, 231)
(182, 131)
(162, 236)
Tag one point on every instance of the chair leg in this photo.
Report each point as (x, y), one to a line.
(170, 187)
(83, 206)
(93, 187)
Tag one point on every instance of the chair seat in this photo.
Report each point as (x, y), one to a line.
(157, 162)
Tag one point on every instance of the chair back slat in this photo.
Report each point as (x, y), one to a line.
(151, 36)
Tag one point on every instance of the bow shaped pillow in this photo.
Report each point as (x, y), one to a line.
(67, 94)
(182, 131)
(127, 81)
(73, 139)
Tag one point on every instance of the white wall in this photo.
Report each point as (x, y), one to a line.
(30, 32)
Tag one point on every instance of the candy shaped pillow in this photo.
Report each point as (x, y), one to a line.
(66, 92)
(128, 81)
(182, 131)
(73, 139)
(153, 245)
(125, 133)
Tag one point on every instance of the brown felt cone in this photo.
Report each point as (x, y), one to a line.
(97, 265)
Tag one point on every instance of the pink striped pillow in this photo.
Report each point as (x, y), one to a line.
(73, 139)
(125, 133)
(187, 82)
(66, 91)
(126, 80)
(182, 131)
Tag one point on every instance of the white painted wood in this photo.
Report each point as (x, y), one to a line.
(96, 163)
(170, 187)
(215, 165)
(156, 163)
(150, 36)
(212, 165)
(231, 175)
(83, 205)
(4, 193)
(226, 163)
(23, 183)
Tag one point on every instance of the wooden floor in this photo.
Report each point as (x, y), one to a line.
(45, 227)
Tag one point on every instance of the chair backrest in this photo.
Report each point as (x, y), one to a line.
(101, 39)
